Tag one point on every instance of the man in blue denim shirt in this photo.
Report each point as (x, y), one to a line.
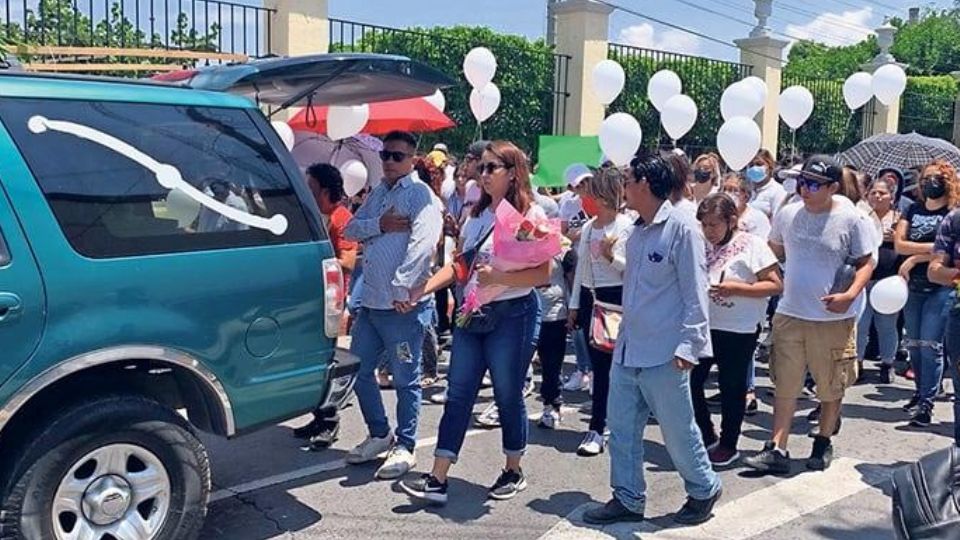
(663, 334)
(400, 225)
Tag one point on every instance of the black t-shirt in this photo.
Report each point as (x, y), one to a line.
(923, 229)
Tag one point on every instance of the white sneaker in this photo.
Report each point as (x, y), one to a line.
(592, 445)
(370, 449)
(575, 382)
(487, 382)
(398, 463)
(439, 398)
(550, 418)
(489, 418)
(588, 384)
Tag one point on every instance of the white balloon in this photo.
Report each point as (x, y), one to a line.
(620, 137)
(480, 65)
(760, 85)
(182, 207)
(662, 86)
(484, 102)
(438, 100)
(889, 82)
(354, 174)
(678, 116)
(608, 81)
(346, 121)
(739, 141)
(889, 295)
(448, 188)
(858, 90)
(285, 132)
(740, 99)
(796, 106)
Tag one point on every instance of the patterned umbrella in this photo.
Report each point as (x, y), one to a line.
(899, 151)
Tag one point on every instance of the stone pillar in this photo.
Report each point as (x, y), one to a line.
(298, 27)
(582, 30)
(886, 118)
(762, 53)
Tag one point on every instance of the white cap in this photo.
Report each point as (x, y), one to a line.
(472, 194)
(441, 147)
(576, 173)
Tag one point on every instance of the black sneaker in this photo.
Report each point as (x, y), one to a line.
(695, 512)
(426, 488)
(886, 374)
(612, 512)
(322, 440)
(508, 485)
(752, 407)
(822, 454)
(770, 460)
(309, 430)
(912, 404)
(923, 417)
(814, 416)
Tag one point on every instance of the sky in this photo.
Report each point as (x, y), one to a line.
(835, 22)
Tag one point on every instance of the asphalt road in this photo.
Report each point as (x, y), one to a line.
(266, 487)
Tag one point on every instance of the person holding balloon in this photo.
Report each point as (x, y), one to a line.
(944, 270)
(927, 303)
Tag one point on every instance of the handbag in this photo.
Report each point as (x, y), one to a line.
(605, 326)
(926, 497)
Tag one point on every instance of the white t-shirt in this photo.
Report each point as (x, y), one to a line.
(476, 227)
(593, 269)
(768, 198)
(816, 247)
(755, 222)
(741, 259)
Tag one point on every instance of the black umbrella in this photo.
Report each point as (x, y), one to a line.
(899, 152)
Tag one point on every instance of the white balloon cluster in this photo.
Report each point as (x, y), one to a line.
(620, 133)
(480, 66)
(678, 112)
(739, 138)
(886, 84)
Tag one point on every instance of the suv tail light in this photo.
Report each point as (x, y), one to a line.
(334, 296)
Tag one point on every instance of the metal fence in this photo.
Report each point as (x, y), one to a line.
(704, 80)
(204, 25)
(831, 128)
(531, 77)
(927, 114)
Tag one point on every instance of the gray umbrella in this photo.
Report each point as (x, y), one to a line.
(899, 151)
(310, 148)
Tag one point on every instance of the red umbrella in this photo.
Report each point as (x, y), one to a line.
(416, 115)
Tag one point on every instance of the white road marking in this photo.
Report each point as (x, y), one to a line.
(746, 517)
(330, 466)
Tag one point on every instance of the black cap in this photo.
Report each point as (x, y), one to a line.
(477, 149)
(823, 168)
(894, 171)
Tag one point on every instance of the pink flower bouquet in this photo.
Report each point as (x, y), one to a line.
(518, 243)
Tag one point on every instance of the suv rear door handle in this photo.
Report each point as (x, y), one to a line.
(10, 306)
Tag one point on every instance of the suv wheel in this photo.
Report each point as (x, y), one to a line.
(118, 468)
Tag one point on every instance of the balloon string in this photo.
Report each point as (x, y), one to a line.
(846, 128)
(793, 143)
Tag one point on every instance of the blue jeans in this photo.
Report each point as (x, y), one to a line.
(925, 317)
(887, 333)
(398, 339)
(664, 391)
(582, 352)
(506, 352)
(953, 358)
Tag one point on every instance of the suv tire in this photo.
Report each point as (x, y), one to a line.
(109, 454)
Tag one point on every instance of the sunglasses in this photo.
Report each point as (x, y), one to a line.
(933, 178)
(387, 155)
(491, 167)
(811, 185)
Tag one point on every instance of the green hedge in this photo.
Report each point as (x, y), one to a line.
(928, 105)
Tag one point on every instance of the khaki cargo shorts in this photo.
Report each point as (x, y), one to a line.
(827, 349)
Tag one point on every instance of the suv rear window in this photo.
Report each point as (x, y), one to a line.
(111, 203)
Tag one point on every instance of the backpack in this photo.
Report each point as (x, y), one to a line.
(926, 497)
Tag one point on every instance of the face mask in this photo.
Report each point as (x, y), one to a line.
(790, 185)
(757, 174)
(590, 206)
(701, 177)
(934, 190)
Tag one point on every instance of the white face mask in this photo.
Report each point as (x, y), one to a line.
(790, 185)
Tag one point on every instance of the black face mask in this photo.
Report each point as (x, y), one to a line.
(934, 190)
(702, 177)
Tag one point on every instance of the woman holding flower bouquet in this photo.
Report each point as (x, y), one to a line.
(601, 259)
(498, 334)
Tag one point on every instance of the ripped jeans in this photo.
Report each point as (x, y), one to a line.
(925, 318)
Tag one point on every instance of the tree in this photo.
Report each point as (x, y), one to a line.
(811, 60)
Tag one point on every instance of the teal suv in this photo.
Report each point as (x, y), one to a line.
(163, 271)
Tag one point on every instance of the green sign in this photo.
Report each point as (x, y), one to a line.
(559, 152)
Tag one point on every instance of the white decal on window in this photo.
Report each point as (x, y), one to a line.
(167, 175)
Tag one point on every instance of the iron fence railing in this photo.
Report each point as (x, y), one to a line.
(704, 80)
(531, 77)
(205, 25)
